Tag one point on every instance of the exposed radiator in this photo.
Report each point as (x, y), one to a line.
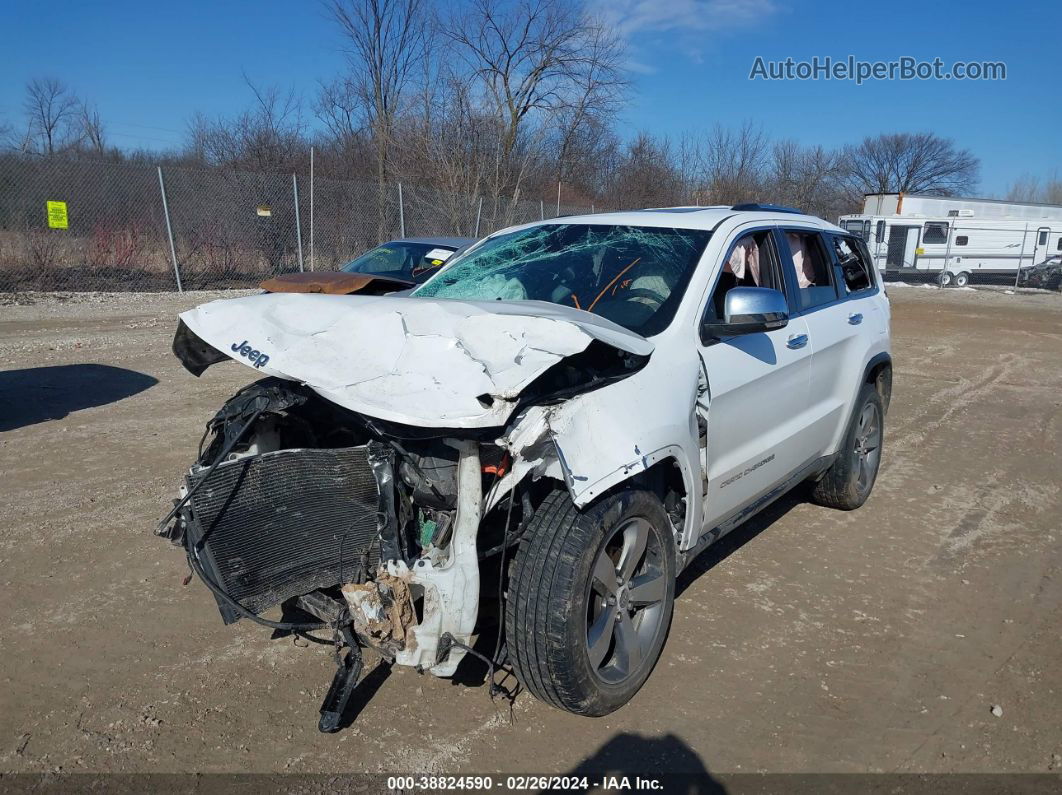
(273, 526)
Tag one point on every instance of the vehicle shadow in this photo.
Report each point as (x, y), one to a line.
(733, 541)
(667, 759)
(38, 394)
(367, 687)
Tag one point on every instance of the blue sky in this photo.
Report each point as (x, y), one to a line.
(149, 66)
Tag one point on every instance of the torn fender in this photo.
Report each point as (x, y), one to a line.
(599, 439)
(429, 363)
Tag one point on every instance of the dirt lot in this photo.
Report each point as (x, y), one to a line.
(811, 640)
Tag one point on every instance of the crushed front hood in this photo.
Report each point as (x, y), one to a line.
(417, 361)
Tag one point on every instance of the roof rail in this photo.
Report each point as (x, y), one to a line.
(767, 208)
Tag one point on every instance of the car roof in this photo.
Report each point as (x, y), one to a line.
(693, 217)
(449, 242)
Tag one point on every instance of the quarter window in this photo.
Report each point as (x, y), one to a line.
(854, 266)
(810, 264)
(961, 240)
(935, 233)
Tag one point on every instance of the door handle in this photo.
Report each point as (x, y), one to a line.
(797, 341)
(855, 319)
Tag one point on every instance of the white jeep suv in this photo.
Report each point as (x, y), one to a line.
(536, 441)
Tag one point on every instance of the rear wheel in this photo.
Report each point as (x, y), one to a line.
(945, 279)
(590, 600)
(848, 482)
(962, 279)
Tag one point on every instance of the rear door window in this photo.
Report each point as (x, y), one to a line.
(811, 268)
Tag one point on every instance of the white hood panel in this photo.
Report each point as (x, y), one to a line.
(417, 361)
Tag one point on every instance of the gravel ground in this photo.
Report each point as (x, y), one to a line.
(809, 640)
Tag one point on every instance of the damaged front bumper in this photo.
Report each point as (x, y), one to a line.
(317, 531)
(268, 528)
(334, 488)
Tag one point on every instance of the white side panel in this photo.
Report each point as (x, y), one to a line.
(758, 415)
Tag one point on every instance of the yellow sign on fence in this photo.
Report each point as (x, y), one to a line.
(57, 217)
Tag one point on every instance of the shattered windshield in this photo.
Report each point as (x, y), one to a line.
(632, 275)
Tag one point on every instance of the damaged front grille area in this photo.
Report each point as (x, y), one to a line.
(297, 502)
(277, 525)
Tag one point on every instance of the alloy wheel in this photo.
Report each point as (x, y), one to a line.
(625, 608)
(867, 448)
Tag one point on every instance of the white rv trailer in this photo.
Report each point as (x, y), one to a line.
(955, 240)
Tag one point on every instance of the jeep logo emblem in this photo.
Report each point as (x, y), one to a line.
(256, 357)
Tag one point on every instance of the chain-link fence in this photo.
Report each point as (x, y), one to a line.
(81, 225)
(92, 225)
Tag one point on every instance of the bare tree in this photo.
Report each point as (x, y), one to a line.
(582, 155)
(645, 175)
(339, 107)
(273, 130)
(806, 177)
(269, 136)
(91, 127)
(452, 145)
(197, 139)
(910, 163)
(1029, 188)
(51, 113)
(1052, 191)
(533, 60)
(8, 138)
(386, 40)
(728, 165)
(596, 95)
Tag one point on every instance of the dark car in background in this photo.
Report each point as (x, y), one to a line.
(391, 267)
(1046, 275)
(412, 259)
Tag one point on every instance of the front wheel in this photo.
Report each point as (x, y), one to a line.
(848, 481)
(945, 279)
(590, 600)
(962, 279)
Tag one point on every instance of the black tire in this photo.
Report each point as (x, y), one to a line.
(845, 484)
(555, 600)
(962, 279)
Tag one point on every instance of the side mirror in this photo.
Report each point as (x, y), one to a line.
(749, 310)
